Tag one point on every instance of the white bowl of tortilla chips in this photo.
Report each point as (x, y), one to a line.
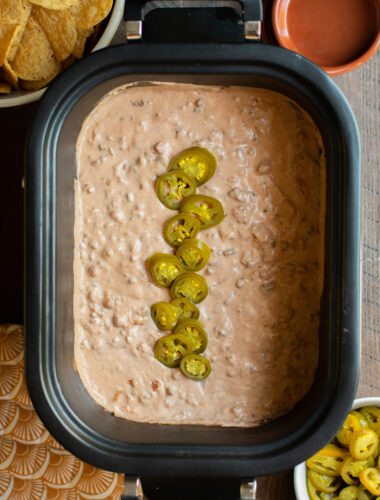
(40, 38)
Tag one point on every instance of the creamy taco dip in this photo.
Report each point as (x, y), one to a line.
(265, 271)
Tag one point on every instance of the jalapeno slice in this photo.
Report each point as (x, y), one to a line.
(348, 493)
(172, 187)
(328, 496)
(370, 478)
(316, 494)
(191, 286)
(350, 426)
(359, 416)
(363, 444)
(195, 330)
(195, 367)
(164, 268)
(170, 349)
(185, 309)
(196, 162)
(180, 228)
(327, 484)
(193, 254)
(208, 210)
(328, 461)
(372, 416)
(164, 315)
(351, 469)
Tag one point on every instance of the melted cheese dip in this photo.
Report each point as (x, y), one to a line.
(266, 267)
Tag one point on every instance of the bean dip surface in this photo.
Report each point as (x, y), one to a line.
(266, 268)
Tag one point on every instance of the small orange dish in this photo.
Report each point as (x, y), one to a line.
(338, 35)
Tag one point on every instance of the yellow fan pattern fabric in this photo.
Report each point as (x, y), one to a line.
(33, 465)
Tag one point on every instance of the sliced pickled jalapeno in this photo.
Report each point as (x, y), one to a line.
(164, 315)
(354, 467)
(372, 416)
(363, 444)
(164, 268)
(317, 494)
(312, 490)
(327, 484)
(208, 210)
(359, 416)
(348, 493)
(176, 190)
(196, 162)
(190, 286)
(195, 367)
(350, 426)
(180, 228)
(351, 469)
(185, 309)
(172, 187)
(370, 478)
(195, 330)
(193, 254)
(170, 349)
(328, 461)
(330, 466)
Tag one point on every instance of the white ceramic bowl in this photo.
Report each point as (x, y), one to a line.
(300, 470)
(19, 97)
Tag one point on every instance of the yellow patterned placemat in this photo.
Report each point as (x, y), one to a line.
(33, 465)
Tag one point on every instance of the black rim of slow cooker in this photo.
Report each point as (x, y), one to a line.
(231, 461)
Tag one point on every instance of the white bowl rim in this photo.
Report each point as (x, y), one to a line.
(27, 96)
(299, 476)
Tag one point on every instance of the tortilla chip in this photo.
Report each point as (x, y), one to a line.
(4, 88)
(10, 10)
(26, 8)
(34, 84)
(55, 4)
(35, 58)
(59, 27)
(8, 75)
(7, 33)
(87, 13)
(82, 35)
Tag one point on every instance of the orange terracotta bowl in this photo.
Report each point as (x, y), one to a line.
(337, 35)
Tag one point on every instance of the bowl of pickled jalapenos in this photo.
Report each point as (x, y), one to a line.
(185, 338)
(347, 468)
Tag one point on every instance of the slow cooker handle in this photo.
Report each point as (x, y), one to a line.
(133, 489)
(251, 11)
